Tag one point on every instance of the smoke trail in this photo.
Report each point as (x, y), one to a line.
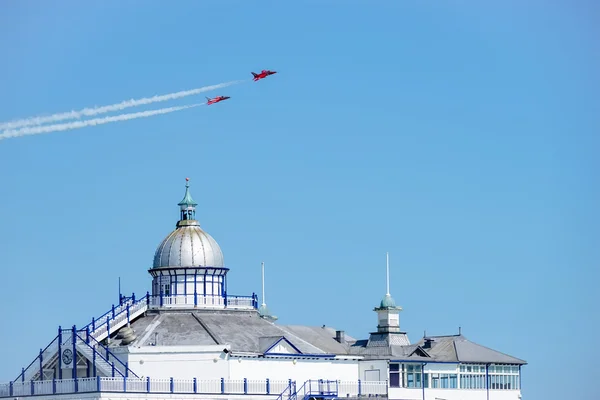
(34, 130)
(87, 112)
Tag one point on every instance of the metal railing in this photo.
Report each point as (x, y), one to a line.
(279, 389)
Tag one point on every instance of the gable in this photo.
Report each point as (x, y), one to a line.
(419, 352)
(278, 345)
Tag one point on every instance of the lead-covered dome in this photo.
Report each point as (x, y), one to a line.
(188, 245)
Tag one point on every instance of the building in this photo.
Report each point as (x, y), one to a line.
(190, 338)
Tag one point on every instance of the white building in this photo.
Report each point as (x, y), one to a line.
(189, 338)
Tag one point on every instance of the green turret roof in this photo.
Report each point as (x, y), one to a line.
(187, 199)
(387, 302)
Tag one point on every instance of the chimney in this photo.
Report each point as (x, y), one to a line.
(339, 336)
(427, 343)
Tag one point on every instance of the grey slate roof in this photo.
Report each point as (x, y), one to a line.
(243, 331)
(455, 348)
(246, 332)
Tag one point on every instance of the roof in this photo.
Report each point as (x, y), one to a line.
(243, 331)
(187, 198)
(246, 332)
(454, 348)
(188, 246)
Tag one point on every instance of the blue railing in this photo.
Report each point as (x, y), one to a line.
(39, 358)
(124, 306)
(317, 388)
(203, 300)
(108, 353)
(115, 311)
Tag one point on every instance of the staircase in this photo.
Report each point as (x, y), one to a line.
(311, 389)
(96, 331)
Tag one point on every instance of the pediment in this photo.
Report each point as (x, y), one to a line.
(277, 345)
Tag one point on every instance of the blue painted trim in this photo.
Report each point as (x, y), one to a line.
(74, 352)
(59, 352)
(41, 365)
(427, 362)
(487, 381)
(423, 378)
(301, 355)
(278, 341)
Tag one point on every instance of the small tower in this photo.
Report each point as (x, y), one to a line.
(388, 313)
(187, 205)
(263, 310)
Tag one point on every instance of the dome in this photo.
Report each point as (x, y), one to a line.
(387, 302)
(188, 246)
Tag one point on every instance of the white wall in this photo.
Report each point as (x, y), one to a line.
(373, 367)
(283, 369)
(179, 362)
(442, 368)
(452, 394)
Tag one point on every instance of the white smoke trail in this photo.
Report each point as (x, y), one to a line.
(87, 112)
(34, 130)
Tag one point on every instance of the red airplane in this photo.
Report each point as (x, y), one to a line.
(216, 99)
(263, 74)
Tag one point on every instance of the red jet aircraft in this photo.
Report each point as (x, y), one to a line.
(216, 99)
(263, 74)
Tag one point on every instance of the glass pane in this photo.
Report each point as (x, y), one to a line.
(394, 367)
(395, 380)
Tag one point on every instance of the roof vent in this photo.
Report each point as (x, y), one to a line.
(427, 343)
(339, 336)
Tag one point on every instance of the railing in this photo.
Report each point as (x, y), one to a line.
(123, 312)
(181, 386)
(100, 327)
(128, 309)
(123, 371)
(203, 301)
(317, 388)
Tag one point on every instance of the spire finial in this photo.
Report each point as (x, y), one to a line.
(187, 205)
(262, 267)
(387, 269)
(263, 311)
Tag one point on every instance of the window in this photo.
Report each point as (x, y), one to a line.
(394, 375)
(444, 381)
(413, 375)
(503, 377)
(472, 376)
(500, 377)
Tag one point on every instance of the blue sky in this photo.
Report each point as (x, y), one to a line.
(462, 137)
